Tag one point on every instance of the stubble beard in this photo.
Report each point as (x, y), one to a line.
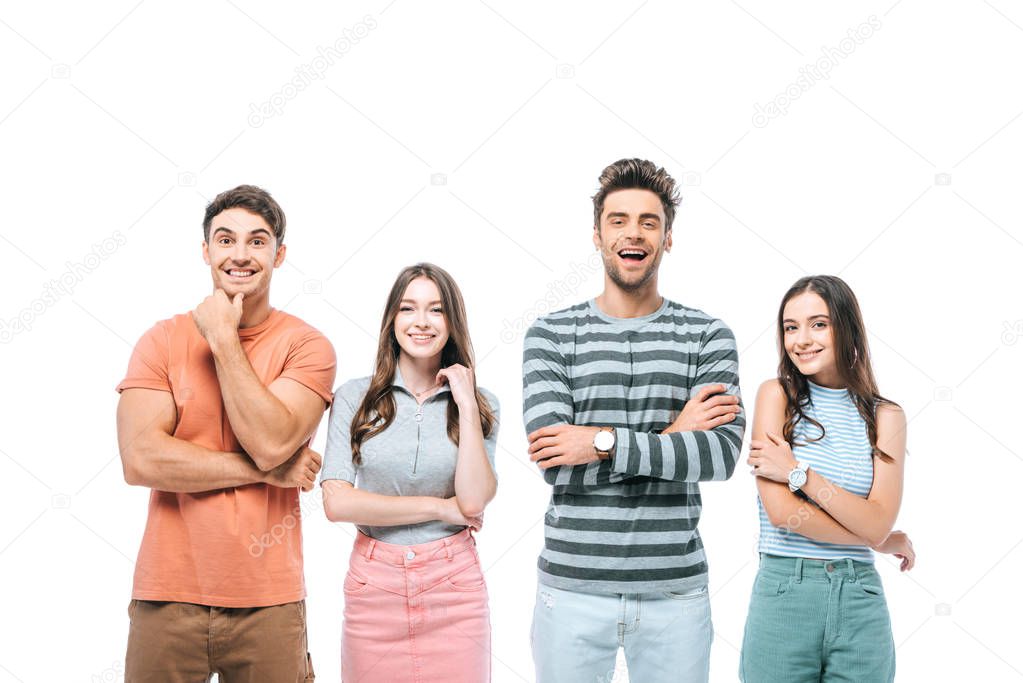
(611, 268)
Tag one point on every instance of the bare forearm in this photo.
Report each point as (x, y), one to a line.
(170, 464)
(789, 512)
(865, 518)
(375, 509)
(475, 483)
(259, 420)
(812, 522)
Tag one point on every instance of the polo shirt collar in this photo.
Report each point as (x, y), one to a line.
(399, 381)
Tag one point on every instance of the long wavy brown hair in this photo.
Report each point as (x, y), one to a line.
(852, 356)
(376, 412)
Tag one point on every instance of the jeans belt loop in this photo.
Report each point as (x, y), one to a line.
(447, 548)
(799, 570)
(852, 568)
(369, 550)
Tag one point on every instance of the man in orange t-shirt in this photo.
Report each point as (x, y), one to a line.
(216, 412)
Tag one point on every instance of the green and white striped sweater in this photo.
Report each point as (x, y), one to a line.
(629, 524)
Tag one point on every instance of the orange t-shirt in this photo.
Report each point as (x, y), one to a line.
(234, 547)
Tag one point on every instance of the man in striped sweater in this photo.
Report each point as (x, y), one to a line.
(629, 401)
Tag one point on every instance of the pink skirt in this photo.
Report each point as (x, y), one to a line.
(416, 613)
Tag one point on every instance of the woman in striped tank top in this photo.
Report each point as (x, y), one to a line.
(828, 453)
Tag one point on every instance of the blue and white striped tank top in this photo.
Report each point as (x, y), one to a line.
(843, 456)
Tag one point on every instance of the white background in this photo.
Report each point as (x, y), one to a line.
(120, 121)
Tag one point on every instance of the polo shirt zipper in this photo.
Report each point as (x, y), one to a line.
(419, 423)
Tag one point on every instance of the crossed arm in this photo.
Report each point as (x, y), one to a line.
(271, 423)
(152, 457)
(475, 483)
(688, 450)
(839, 516)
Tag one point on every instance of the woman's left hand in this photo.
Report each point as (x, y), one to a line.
(462, 382)
(771, 459)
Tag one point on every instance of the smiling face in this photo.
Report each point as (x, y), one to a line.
(632, 237)
(420, 325)
(242, 253)
(808, 339)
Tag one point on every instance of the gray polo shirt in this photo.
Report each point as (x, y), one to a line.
(412, 457)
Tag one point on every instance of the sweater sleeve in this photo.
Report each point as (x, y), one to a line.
(547, 400)
(696, 455)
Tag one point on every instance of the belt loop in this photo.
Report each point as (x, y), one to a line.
(851, 567)
(369, 550)
(447, 548)
(799, 570)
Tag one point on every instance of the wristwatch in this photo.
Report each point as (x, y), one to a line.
(604, 442)
(797, 477)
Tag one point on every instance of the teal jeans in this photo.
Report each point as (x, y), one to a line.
(816, 620)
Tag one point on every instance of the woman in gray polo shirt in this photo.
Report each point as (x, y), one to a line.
(410, 461)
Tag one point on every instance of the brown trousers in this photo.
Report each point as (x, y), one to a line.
(178, 642)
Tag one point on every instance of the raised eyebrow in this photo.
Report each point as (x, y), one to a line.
(258, 231)
(618, 214)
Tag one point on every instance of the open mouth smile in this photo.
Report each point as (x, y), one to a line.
(632, 255)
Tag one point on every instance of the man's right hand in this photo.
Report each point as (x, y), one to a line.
(710, 408)
(298, 471)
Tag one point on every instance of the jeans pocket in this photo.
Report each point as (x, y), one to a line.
(468, 579)
(354, 583)
(871, 589)
(310, 675)
(691, 594)
(770, 587)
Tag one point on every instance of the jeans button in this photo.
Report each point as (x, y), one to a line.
(829, 567)
(411, 556)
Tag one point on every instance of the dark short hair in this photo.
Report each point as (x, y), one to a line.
(637, 174)
(253, 199)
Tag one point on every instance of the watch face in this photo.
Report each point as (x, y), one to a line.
(604, 441)
(797, 478)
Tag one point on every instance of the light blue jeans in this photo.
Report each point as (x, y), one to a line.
(666, 636)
